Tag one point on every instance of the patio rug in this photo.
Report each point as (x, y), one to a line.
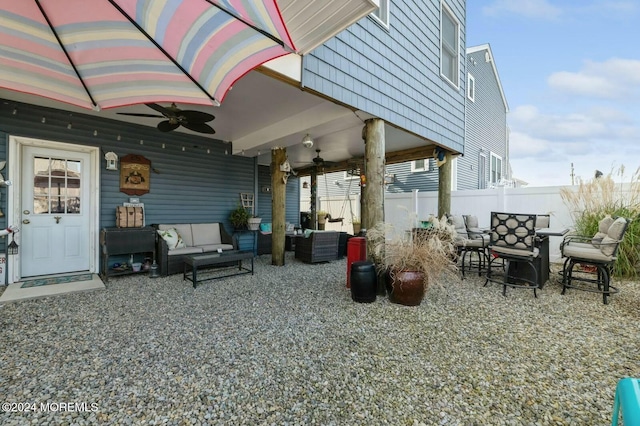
(56, 280)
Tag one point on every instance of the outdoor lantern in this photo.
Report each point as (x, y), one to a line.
(13, 246)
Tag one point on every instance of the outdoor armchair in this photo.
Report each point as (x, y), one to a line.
(595, 256)
(467, 244)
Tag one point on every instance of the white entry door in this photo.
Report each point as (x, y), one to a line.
(55, 216)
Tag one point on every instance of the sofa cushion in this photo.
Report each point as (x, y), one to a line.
(206, 234)
(215, 247)
(184, 229)
(172, 237)
(185, 250)
(613, 237)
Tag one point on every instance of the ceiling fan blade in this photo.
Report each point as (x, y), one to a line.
(196, 116)
(167, 126)
(133, 114)
(166, 112)
(198, 127)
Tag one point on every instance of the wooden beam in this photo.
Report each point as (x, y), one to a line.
(278, 200)
(394, 157)
(444, 186)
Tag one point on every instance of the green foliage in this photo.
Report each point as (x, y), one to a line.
(239, 217)
(602, 196)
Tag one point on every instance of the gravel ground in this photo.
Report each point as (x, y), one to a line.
(289, 346)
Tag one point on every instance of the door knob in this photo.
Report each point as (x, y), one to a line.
(26, 221)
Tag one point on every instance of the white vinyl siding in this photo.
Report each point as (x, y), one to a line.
(449, 45)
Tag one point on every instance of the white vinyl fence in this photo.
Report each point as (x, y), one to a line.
(402, 209)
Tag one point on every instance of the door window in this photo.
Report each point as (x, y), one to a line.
(56, 185)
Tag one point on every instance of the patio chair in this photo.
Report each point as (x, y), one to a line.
(512, 239)
(466, 244)
(543, 220)
(598, 252)
(318, 246)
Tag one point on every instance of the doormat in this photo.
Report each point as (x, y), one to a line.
(56, 280)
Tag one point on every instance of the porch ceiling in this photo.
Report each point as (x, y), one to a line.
(262, 112)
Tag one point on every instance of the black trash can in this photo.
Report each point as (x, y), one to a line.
(363, 282)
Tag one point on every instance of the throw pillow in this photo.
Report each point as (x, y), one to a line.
(173, 239)
(308, 232)
(604, 224)
(614, 235)
(265, 227)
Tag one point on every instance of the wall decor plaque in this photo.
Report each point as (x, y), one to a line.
(135, 174)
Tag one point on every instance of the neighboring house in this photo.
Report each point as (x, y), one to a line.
(399, 65)
(485, 160)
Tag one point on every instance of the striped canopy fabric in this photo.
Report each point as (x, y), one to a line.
(109, 53)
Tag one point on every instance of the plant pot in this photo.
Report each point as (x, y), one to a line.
(253, 223)
(405, 287)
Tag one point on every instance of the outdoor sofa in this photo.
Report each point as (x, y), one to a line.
(176, 240)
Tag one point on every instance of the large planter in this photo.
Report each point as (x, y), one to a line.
(405, 287)
(253, 223)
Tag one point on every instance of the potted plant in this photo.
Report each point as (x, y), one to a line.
(239, 217)
(253, 222)
(411, 261)
(322, 218)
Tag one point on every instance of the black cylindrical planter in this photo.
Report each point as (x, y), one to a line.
(363, 282)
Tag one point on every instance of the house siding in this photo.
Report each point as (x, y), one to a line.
(486, 123)
(186, 186)
(394, 73)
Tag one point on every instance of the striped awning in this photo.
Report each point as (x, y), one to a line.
(109, 53)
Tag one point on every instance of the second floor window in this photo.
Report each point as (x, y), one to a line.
(449, 46)
(420, 165)
(496, 169)
(471, 88)
(382, 12)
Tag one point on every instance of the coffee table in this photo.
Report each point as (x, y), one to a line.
(198, 262)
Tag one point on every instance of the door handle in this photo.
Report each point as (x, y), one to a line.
(26, 221)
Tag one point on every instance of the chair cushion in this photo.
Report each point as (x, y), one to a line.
(614, 236)
(515, 252)
(172, 237)
(185, 250)
(604, 224)
(586, 252)
(471, 221)
(215, 247)
(474, 243)
(543, 221)
(597, 239)
(459, 225)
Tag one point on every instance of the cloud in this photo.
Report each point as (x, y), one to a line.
(527, 8)
(556, 126)
(612, 79)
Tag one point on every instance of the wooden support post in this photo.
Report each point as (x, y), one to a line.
(278, 199)
(444, 186)
(372, 201)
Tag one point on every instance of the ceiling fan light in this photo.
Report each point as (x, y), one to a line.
(307, 142)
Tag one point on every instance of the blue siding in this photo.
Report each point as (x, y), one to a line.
(292, 203)
(186, 186)
(394, 74)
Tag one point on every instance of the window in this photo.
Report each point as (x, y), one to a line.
(449, 46)
(482, 172)
(471, 88)
(382, 13)
(352, 174)
(420, 165)
(496, 169)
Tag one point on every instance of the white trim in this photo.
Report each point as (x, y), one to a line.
(491, 180)
(14, 213)
(471, 87)
(487, 47)
(425, 168)
(381, 14)
(444, 8)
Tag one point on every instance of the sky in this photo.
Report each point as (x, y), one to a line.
(570, 70)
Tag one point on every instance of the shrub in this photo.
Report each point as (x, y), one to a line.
(596, 198)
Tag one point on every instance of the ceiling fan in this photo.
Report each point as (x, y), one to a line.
(175, 117)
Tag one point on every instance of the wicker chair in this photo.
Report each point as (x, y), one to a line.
(320, 246)
(599, 252)
(513, 240)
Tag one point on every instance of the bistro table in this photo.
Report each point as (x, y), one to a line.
(542, 262)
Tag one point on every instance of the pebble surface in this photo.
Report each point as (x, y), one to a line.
(288, 346)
